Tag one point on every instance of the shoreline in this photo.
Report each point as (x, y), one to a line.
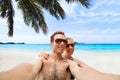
(104, 63)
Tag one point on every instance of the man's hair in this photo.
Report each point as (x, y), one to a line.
(58, 32)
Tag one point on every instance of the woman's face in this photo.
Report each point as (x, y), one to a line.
(70, 46)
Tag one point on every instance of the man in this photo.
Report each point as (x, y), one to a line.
(56, 67)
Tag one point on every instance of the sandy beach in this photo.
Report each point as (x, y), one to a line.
(103, 63)
(10, 58)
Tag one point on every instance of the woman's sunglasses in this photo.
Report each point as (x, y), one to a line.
(58, 41)
(68, 45)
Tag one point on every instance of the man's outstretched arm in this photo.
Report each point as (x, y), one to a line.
(24, 71)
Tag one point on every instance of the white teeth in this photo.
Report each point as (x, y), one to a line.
(60, 47)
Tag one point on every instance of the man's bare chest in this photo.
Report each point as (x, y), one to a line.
(53, 70)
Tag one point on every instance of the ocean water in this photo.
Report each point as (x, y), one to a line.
(78, 47)
(98, 47)
(103, 57)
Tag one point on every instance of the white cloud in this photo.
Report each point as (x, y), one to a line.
(69, 8)
(2, 21)
(99, 3)
(97, 36)
(32, 38)
(94, 14)
(18, 18)
(103, 16)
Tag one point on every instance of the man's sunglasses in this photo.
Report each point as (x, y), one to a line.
(58, 41)
(68, 45)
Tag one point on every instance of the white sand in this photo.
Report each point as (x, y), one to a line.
(104, 63)
(108, 63)
(10, 58)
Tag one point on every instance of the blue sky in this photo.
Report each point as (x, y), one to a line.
(98, 24)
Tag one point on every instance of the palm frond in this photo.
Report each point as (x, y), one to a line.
(53, 7)
(10, 20)
(7, 11)
(85, 3)
(33, 15)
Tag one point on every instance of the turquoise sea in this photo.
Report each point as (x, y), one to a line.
(78, 47)
(104, 57)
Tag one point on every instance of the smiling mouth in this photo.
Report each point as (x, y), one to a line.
(61, 47)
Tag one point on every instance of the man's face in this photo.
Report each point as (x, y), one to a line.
(59, 43)
(70, 47)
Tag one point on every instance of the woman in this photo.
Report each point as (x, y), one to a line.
(82, 70)
(69, 51)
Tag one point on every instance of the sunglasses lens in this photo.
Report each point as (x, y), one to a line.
(68, 45)
(72, 45)
(61, 40)
(65, 41)
(58, 41)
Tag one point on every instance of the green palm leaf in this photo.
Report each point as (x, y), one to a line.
(33, 12)
(7, 11)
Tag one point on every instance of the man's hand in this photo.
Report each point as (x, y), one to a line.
(44, 55)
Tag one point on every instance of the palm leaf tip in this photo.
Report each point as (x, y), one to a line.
(85, 3)
(44, 28)
(10, 33)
